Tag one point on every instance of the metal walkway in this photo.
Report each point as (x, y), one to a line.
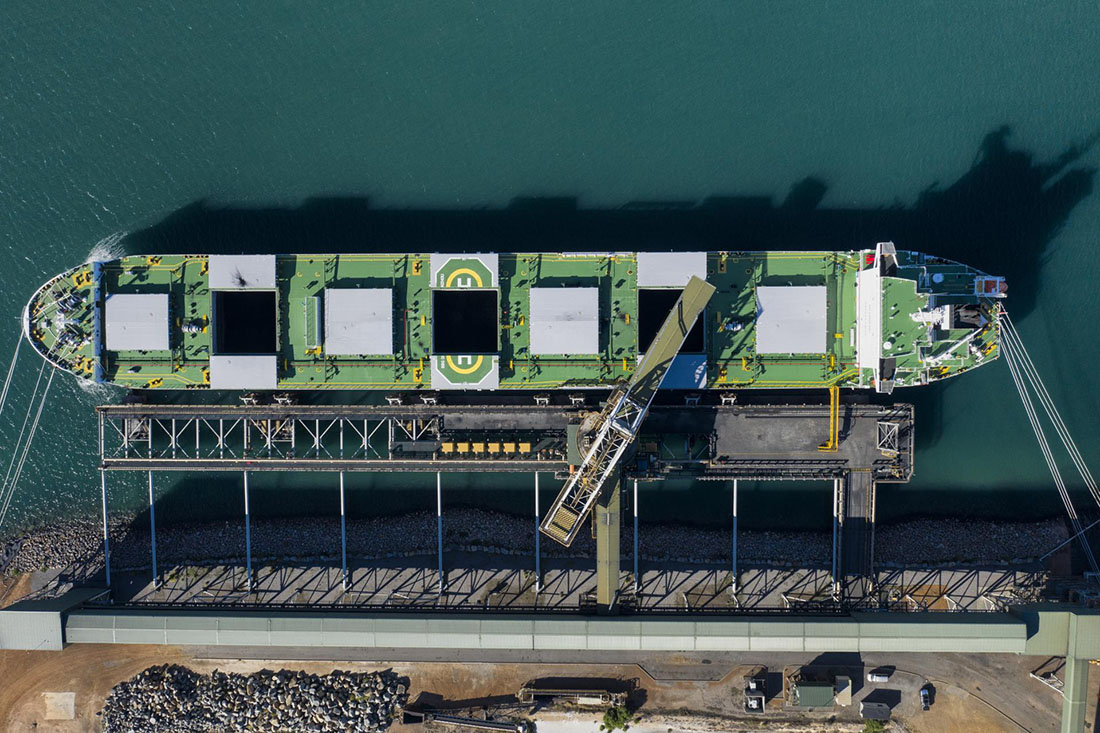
(776, 441)
(854, 563)
(331, 438)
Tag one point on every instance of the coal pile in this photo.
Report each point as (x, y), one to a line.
(175, 698)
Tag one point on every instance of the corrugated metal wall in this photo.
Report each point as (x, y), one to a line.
(913, 632)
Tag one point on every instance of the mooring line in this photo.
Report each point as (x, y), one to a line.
(26, 449)
(11, 373)
(1055, 417)
(19, 440)
(1021, 380)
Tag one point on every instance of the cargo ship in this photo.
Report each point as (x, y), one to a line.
(871, 319)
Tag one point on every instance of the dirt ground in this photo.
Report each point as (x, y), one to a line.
(14, 588)
(90, 671)
(957, 710)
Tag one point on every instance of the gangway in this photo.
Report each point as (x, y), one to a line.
(621, 418)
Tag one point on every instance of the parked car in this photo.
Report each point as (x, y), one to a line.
(876, 675)
(925, 699)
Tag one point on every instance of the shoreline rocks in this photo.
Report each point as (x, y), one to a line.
(77, 546)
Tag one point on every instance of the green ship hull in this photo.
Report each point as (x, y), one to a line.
(872, 319)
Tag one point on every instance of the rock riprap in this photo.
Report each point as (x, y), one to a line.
(175, 698)
(78, 545)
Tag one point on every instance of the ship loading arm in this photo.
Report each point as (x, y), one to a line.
(621, 419)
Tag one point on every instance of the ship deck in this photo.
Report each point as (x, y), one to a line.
(727, 358)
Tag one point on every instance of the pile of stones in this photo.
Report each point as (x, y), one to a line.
(77, 545)
(175, 698)
(944, 541)
(61, 545)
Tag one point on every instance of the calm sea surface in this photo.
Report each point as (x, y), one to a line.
(114, 120)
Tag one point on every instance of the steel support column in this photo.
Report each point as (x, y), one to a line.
(538, 559)
(247, 537)
(836, 529)
(106, 542)
(439, 524)
(343, 536)
(637, 580)
(153, 532)
(871, 578)
(733, 561)
(1075, 692)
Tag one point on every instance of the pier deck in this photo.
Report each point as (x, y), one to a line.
(733, 441)
(726, 442)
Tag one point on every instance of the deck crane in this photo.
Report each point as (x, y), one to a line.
(621, 418)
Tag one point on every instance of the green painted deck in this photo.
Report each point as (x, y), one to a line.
(70, 335)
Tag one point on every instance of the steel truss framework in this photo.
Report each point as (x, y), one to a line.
(888, 438)
(619, 424)
(284, 440)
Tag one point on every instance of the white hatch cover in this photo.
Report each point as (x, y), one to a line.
(242, 272)
(137, 322)
(670, 269)
(565, 320)
(236, 371)
(790, 319)
(358, 321)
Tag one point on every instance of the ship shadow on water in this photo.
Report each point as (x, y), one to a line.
(1001, 216)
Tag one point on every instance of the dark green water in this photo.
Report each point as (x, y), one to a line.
(155, 118)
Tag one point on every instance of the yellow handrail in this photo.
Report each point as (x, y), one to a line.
(833, 444)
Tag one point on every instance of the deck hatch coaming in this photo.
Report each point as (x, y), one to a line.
(243, 371)
(357, 321)
(670, 269)
(242, 272)
(137, 322)
(791, 319)
(565, 321)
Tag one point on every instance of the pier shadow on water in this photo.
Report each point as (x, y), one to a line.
(1001, 217)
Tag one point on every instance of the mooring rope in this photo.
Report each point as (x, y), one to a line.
(11, 373)
(26, 449)
(19, 441)
(1016, 369)
(1029, 370)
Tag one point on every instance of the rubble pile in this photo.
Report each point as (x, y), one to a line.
(175, 698)
(78, 545)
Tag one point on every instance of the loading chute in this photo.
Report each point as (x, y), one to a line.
(621, 418)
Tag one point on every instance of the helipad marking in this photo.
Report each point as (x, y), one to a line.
(464, 283)
(466, 360)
